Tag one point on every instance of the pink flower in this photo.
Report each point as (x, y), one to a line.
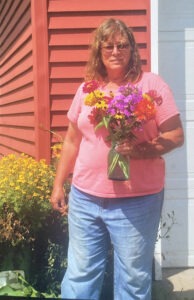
(153, 94)
(90, 86)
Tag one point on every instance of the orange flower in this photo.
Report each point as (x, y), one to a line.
(145, 109)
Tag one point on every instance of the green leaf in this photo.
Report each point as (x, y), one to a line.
(9, 291)
(124, 165)
(113, 162)
(106, 121)
(99, 125)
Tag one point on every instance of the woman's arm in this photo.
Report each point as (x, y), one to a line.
(171, 136)
(65, 166)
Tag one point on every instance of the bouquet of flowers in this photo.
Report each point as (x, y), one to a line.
(121, 114)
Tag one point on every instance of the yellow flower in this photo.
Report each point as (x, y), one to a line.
(98, 94)
(119, 116)
(92, 98)
(147, 97)
(101, 104)
(35, 194)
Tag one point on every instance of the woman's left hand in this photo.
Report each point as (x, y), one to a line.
(170, 136)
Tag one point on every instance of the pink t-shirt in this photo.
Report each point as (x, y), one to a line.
(90, 171)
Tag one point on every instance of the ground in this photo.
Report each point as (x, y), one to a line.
(177, 284)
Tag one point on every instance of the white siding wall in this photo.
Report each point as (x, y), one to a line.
(176, 66)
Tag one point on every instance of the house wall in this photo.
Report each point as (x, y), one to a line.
(44, 49)
(176, 66)
(21, 113)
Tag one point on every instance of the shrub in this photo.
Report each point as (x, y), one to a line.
(33, 237)
(25, 188)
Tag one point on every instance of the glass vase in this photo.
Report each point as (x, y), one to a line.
(118, 165)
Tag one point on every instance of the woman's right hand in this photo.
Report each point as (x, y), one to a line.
(59, 200)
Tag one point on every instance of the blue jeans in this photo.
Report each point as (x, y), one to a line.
(131, 224)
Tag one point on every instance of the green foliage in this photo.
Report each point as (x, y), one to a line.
(18, 286)
(49, 255)
(43, 261)
(33, 237)
(25, 188)
(56, 266)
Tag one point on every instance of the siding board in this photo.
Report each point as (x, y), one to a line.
(24, 38)
(4, 8)
(9, 143)
(67, 70)
(58, 22)
(88, 5)
(15, 28)
(19, 55)
(22, 66)
(20, 81)
(25, 92)
(7, 150)
(18, 107)
(25, 120)
(60, 104)
(64, 87)
(77, 38)
(18, 132)
(59, 120)
(69, 54)
(7, 25)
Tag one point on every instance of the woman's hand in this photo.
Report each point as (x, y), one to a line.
(129, 149)
(171, 136)
(124, 148)
(59, 201)
(64, 168)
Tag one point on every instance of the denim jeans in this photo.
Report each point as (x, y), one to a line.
(131, 224)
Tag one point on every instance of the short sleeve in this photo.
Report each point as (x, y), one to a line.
(168, 107)
(76, 105)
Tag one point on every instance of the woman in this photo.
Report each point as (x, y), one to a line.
(126, 212)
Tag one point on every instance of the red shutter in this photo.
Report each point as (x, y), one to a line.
(70, 26)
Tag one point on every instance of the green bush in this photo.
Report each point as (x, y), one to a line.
(25, 188)
(33, 237)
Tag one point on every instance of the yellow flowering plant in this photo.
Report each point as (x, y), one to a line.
(33, 237)
(25, 188)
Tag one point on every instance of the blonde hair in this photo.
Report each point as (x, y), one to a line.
(95, 68)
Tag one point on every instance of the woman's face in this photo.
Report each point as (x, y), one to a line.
(116, 54)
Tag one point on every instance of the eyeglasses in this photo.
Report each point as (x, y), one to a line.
(120, 47)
